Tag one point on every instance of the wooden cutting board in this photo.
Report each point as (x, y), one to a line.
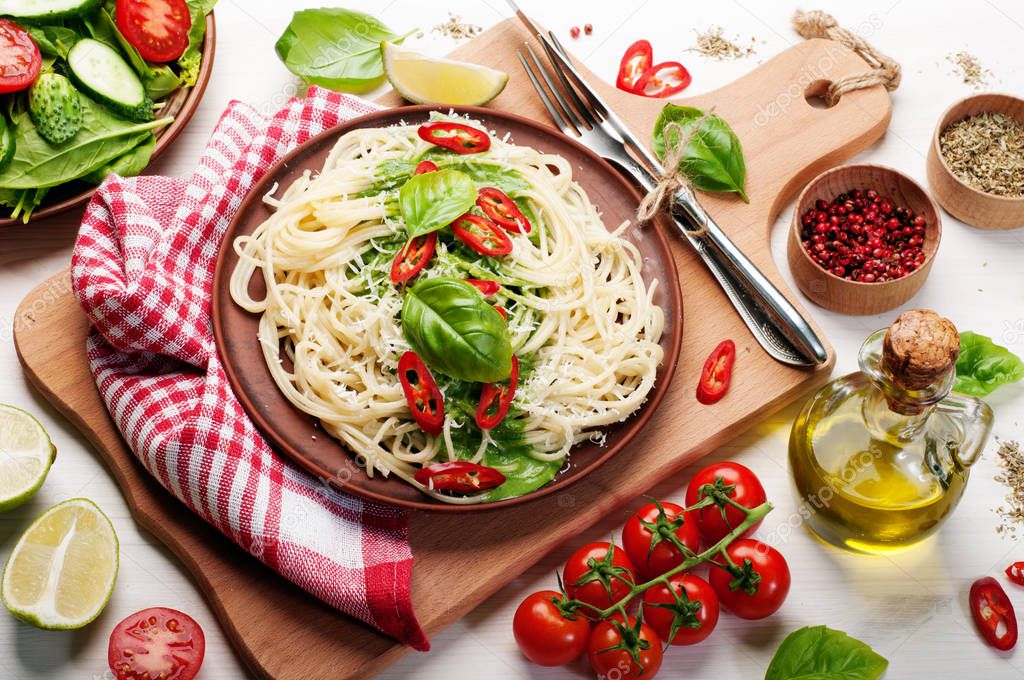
(786, 141)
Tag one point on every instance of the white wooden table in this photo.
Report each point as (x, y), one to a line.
(911, 607)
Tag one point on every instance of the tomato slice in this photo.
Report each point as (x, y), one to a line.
(717, 373)
(993, 613)
(484, 286)
(421, 393)
(459, 476)
(496, 399)
(1015, 572)
(483, 236)
(502, 210)
(158, 29)
(156, 643)
(638, 58)
(19, 57)
(424, 167)
(664, 80)
(455, 137)
(413, 257)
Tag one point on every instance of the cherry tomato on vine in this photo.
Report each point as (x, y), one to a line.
(156, 643)
(546, 634)
(158, 29)
(649, 524)
(744, 488)
(694, 614)
(609, 650)
(595, 569)
(761, 585)
(993, 613)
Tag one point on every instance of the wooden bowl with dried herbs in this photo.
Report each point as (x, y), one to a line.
(976, 161)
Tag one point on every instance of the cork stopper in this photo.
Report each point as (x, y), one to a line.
(920, 348)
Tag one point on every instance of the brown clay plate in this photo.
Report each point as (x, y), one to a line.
(181, 104)
(297, 435)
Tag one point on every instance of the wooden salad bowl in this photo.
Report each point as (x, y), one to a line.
(182, 104)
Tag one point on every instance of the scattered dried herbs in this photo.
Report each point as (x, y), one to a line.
(712, 43)
(986, 151)
(456, 29)
(1011, 512)
(969, 69)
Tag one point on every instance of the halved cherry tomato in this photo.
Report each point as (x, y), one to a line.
(717, 373)
(156, 643)
(495, 399)
(638, 58)
(646, 537)
(740, 484)
(613, 644)
(413, 257)
(158, 29)
(502, 210)
(761, 584)
(547, 634)
(421, 394)
(19, 57)
(593, 567)
(694, 614)
(663, 80)
(455, 136)
(484, 286)
(459, 476)
(425, 167)
(483, 236)
(1015, 572)
(993, 613)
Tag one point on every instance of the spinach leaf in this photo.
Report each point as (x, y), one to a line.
(190, 60)
(820, 653)
(455, 331)
(161, 81)
(53, 41)
(128, 164)
(336, 48)
(713, 160)
(984, 366)
(433, 200)
(22, 202)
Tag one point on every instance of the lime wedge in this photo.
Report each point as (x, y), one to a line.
(26, 454)
(427, 80)
(62, 571)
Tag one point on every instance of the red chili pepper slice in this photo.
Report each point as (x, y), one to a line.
(1015, 572)
(717, 373)
(638, 58)
(993, 613)
(663, 80)
(424, 167)
(484, 286)
(425, 401)
(501, 310)
(496, 399)
(503, 211)
(455, 136)
(459, 476)
(483, 236)
(413, 257)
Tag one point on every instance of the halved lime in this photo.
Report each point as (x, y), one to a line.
(26, 454)
(62, 571)
(429, 80)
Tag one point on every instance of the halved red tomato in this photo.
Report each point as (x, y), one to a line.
(19, 57)
(158, 29)
(156, 643)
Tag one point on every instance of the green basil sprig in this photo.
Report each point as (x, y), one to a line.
(454, 330)
(820, 653)
(713, 160)
(434, 200)
(983, 366)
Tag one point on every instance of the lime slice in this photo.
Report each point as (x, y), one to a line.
(26, 454)
(62, 571)
(427, 80)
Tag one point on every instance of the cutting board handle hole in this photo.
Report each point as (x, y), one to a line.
(815, 93)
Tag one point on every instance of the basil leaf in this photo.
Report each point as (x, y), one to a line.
(336, 48)
(820, 653)
(454, 330)
(433, 200)
(714, 157)
(984, 366)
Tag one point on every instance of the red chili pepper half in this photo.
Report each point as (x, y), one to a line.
(455, 136)
(459, 476)
(484, 286)
(993, 613)
(502, 210)
(413, 257)
(483, 236)
(425, 401)
(1015, 572)
(496, 399)
(424, 167)
(663, 80)
(638, 58)
(717, 373)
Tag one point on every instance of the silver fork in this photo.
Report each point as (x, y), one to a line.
(772, 319)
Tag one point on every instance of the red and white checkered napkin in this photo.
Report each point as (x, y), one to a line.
(143, 270)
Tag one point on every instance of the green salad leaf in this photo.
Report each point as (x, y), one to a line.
(129, 164)
(434, 200)
(455, 331)
(983, 366)
(189, 61)
(821, 653)
(713, 160)
(53, 41)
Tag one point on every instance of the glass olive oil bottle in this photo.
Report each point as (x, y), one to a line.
(881, 457)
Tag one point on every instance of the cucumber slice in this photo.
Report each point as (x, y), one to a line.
(103, 74)
(38, 10)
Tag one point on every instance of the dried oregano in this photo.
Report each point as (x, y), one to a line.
(986, 151)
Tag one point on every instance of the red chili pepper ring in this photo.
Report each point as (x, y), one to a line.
(421, 393)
